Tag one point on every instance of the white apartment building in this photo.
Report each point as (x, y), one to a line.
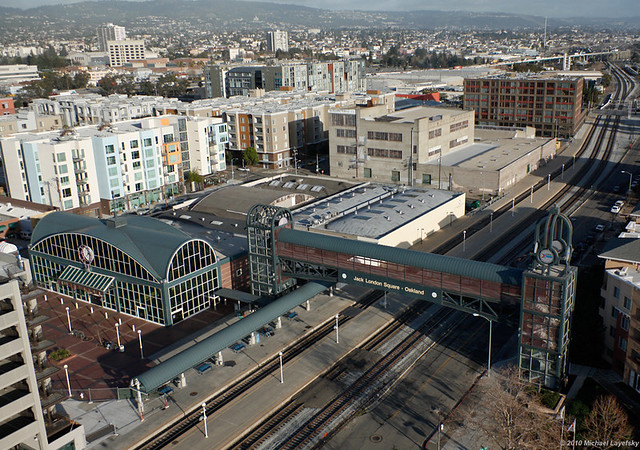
(110, 32)
(123, 164)
(121, 52)
(94, 109)
(129, 164)
(203, 141)
(277, 40)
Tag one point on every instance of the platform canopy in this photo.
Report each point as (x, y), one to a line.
(85, 279)
(207, 348)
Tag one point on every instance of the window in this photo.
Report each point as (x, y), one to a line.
(61, 157)
(63, 169)
(136, 164)
(624, 322)
(367, 172)
(113, 171)
(66, 192)
(614, 312)
(616, 292)
(627, 303)
(64, 180)
(346, 149)
(111, 160)
(133, 144)
(426, 178)
(395, 175)
(139, 186)
(135, 154)
(612, 331)
(435, 133)
(622, 343)
(345, 132)
(68, 204)
(147, 142)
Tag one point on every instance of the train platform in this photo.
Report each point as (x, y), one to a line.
(258, 402)
(475, 243)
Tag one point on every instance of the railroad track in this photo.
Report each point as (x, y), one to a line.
(215, 403)
(304, 434)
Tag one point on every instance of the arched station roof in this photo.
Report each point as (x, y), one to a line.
(149, 241)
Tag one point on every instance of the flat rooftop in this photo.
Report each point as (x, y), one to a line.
(490, 155)
(410, 115)
(370, 210)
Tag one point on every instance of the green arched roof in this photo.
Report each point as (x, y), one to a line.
(447, 264)
(149, 241)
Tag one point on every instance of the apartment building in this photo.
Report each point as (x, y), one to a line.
(7, 107)
(277, 40)
(346, 75)
(620, 307)
(28, 121)
(202, 140)
(110, 32)
(551, 104)
(121, 52)
(126, 164)
(374, 142)
(94, 109)
(280, 131)
(18, 73)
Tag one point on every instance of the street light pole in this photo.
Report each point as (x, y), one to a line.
(204, 419)
(66, 371)
(491, 222)
(69, 319)
(622, 171)
(140, 341)
(464, 240)
(337, 337)
(281, 371)
(118, 335)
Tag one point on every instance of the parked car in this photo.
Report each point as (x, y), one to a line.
(599, 228)
(238, 347)
(615, 209)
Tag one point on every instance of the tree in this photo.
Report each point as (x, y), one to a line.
(250, 156)
(606, 80)
(508, 412)
(108, 84)
(607, 422)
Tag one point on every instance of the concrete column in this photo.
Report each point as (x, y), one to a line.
(279, 322)
(183, 380)
(330, 291)
(308, 305)
(252, 341)
(220, 360)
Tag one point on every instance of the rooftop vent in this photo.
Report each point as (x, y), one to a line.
(116, 222)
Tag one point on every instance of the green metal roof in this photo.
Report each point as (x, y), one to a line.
(447, 264)
(149, 241)
(86, 279)
(174, 366)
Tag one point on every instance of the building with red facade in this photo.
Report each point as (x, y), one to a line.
(551, 104)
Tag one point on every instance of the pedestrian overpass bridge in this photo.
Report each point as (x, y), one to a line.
(280, 255)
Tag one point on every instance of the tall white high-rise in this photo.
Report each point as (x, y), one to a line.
(277, 40)
(110, 32)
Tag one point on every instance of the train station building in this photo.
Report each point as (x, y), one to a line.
(134, 265)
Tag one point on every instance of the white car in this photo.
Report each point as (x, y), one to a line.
(615, 209)
(599, 228)
(619, 203)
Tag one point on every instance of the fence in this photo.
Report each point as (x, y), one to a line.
(98, 394)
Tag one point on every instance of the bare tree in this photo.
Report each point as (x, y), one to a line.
(608, 422)
(506, 409)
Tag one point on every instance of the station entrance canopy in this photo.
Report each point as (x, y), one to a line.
(279, 254)
(91, 282)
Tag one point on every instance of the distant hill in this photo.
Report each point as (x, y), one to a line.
(224, 14)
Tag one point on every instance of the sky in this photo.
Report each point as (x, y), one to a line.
(549, 8)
